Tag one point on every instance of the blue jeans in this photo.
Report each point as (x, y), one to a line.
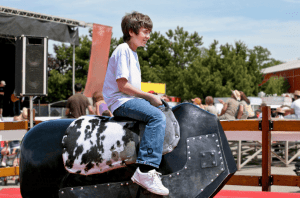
(151, 144)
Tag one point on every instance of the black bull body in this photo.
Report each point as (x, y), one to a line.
(199, 166)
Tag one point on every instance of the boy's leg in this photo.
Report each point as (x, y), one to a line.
(151, 144)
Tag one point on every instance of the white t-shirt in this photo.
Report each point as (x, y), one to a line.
(123, 63)
(296, 106)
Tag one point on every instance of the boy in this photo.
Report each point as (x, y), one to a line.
(124, 97)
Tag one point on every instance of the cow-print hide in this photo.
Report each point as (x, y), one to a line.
(93, 144)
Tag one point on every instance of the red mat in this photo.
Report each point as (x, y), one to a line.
(15, 193)
(10, 193)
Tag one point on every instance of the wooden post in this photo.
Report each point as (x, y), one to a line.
(266, 149)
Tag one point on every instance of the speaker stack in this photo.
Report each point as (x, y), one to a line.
(31, 77)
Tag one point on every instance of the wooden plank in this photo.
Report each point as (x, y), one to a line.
(286, 125)
(266, 149)
(13, 125)
(9, 171)
(286, 180)
(244, 135)
(244, 180)
(240, 125)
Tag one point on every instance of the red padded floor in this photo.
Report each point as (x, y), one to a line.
(15, 193)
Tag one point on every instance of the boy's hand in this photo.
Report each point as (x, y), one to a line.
(155, 101)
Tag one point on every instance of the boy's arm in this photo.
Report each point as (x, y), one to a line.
(125, 87)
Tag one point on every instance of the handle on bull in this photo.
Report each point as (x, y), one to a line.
(165, 104)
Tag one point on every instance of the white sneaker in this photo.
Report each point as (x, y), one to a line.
(150, 181)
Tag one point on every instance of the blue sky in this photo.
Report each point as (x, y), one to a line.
(271, 24)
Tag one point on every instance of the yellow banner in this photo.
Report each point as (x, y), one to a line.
(159, 88)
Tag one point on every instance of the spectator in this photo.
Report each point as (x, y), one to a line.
(2, 89)
(22, 116)
(279, 113)
(231, 109)
(246, 106)
(11, 148)
(260, 108)
(100, 105)
(209, 105)
(295, 107)
(197, 101)
(107, 113)
(77, 104)
(16, 104)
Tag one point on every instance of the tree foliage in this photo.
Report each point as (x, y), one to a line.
(179, 60)
(276, 85)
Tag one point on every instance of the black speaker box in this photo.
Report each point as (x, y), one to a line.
(31, 77)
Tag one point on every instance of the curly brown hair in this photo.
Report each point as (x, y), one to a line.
(134, 22)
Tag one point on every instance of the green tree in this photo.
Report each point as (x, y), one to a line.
(276, 85)
(60, 69)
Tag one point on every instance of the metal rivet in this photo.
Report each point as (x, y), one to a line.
(177, 173)
(206, 135)
(170, 176)
(222, 168)
(220, 157)
(71, 189)
(174, 123)
(177, 136)
(201, 189)
(212, 153)
(193, 138)
(107, 184)
(216, 140)
(212, 180)
(203, 154)
(188, 140)
(62, 192)
(213, 135)
(81, 188)
(188, 147)
(170, 147)
(185, 167)
(219, 152)
(221, 162)
(217, 174)
(127, 183)
(200, 137)
(189, 152)
(214, 163)
(218, 145)
(189, 158)
(95, 186)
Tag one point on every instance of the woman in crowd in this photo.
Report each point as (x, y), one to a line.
(232, 108)
(100, 105)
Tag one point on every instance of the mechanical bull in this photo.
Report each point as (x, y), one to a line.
(94, 156)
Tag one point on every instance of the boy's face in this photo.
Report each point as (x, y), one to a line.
(141, 39)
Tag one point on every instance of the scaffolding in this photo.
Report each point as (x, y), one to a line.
(44, 17)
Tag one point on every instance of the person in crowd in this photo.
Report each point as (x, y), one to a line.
(257, 113)
(279, 113)
(232, 109)
(2, 89)
(124, 97)
(23, 115)
(107, 113)
(197, 101)
(100, 105)
(260, 108)
(77, 104)
(209, 105)
(16, 104)
(246, 106)
(11, 148)
(295, 107)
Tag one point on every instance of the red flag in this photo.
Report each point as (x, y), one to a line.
(99, 59)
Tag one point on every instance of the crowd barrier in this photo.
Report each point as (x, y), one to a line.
(264, 131)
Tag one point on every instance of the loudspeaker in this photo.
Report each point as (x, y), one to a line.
(31, 77)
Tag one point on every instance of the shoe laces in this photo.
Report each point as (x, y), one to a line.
(156, 175)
